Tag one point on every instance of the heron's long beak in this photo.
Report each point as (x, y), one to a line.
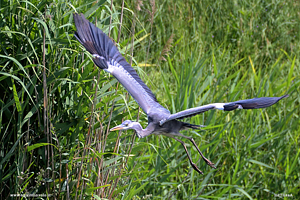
(119, 127)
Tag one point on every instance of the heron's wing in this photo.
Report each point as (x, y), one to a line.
(107, 57)
(262, 102)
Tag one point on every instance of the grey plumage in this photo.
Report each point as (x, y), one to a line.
(160, 121)
(254, 103)
(106, 56)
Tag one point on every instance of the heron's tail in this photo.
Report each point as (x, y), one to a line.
(193, 126)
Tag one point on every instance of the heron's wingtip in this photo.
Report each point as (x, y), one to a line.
(284, 96)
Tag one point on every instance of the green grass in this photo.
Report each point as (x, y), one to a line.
(190, 54)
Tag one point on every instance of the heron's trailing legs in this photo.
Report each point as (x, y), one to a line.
(191, 162)
(205, 159)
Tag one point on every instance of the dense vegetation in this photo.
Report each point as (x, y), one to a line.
(56, 107)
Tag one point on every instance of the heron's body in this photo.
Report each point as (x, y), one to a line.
(160, 121)
(170, 128)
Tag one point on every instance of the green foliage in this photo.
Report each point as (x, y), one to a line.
(190, 53)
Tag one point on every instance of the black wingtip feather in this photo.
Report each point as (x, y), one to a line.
(255, 103)
(230, 106)
(85, 34)
(97, 42)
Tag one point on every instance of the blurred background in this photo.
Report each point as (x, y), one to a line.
(56, 106)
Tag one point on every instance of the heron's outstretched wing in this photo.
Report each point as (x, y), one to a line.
(262, 102)
(106, 56)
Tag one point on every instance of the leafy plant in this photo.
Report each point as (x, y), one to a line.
(56, 107)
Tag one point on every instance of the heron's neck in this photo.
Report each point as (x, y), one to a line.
(138, 128)
(142, 132)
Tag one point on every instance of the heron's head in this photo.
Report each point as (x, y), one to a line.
(127, 124)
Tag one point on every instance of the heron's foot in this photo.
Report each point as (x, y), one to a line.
(196, 168)
(210, 163)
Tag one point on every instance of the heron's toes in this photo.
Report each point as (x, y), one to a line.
(196, 168)
(210, 164)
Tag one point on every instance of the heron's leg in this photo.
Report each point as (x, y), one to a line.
(205, 159)
(193, 164)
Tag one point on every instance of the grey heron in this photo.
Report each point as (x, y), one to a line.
(160, 121)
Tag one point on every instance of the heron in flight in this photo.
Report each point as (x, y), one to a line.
(160, 121)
